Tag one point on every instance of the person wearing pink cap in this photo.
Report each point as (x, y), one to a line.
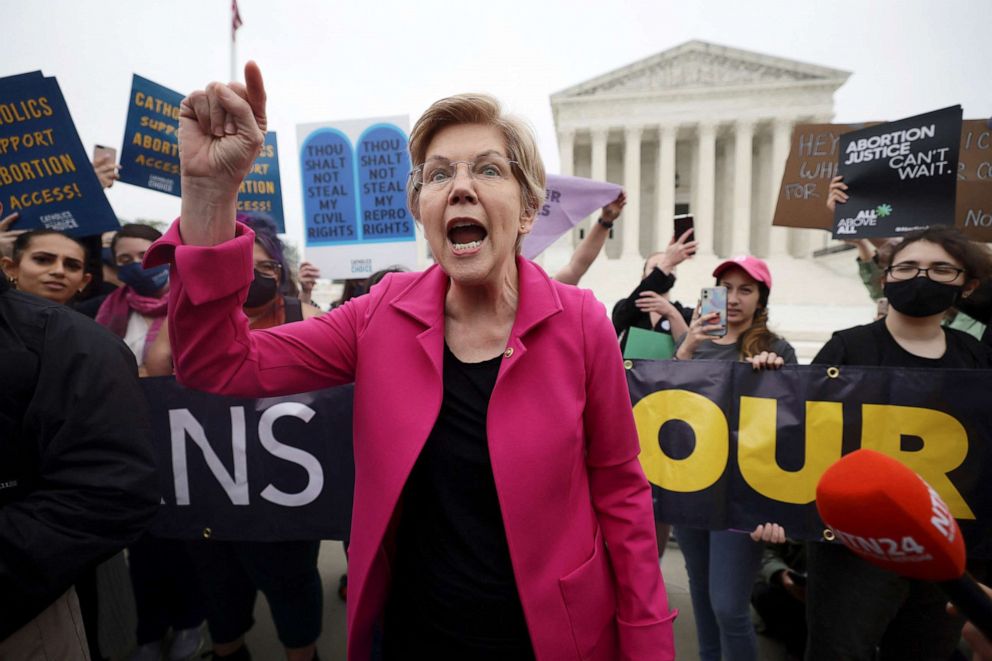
(722, 564)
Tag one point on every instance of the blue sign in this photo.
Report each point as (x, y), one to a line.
(45, 174)
(150, 155)
(261, 191)
(383, 168)
(330, 213)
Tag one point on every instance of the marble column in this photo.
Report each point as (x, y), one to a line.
(778, 243)
(705, 187)
(741, 229)
(597, 171)
(566, 151)
(667, 136)
(631, 220)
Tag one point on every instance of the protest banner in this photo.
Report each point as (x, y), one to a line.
(45, 174)
(731, 448)
(813, 161)
(568, 200)
(233, 468)
(901, 176)
(150, 154)
(261, 191)
(354, 174)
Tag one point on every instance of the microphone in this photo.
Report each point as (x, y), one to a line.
(885, 513)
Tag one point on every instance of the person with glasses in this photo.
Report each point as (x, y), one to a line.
(853, 607)
(495, 447)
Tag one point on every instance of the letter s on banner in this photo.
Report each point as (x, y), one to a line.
(756, 449)
(315, 474)
(945, 445)
(708, 460)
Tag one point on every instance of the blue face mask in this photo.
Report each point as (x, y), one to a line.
(146, 282)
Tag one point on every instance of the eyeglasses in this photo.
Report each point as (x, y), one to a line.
(269, 268)
(938, 272)
(437, 173)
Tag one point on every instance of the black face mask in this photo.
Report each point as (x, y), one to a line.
(262, 290)
(921, 297)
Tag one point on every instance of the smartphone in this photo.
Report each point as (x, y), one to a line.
(99, 151)
(714, 299)
(684, 223)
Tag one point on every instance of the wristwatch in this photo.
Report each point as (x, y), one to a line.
(607, 224)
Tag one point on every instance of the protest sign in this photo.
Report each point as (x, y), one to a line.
(813, 161)
(901, 176)
(150, 154)
(271, 469)
(354, 174)
(261, 191)
(974, 198)
(45, 174)
(732, 448)
(568, 200)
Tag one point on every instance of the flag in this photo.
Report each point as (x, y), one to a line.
(569, 200)
(236, 21)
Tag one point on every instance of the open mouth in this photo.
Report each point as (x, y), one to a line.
(466, 237)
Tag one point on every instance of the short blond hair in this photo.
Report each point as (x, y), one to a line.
(521, 146)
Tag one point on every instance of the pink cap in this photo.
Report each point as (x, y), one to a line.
(754, 267)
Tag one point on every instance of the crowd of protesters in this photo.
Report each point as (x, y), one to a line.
(451, 557)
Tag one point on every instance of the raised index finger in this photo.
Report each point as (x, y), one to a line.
(256, 92)
(8, 221)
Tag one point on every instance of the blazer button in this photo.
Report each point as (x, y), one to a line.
(508, 352)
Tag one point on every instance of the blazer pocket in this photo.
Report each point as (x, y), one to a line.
(589, 593)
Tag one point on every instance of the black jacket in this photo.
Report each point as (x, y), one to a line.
(78, 480)
(626, 314)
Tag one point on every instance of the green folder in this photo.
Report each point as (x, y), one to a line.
(648, 345)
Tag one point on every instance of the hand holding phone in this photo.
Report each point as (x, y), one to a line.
(713, 300)
(105, 165)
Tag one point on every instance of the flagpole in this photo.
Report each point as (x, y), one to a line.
(234, 58)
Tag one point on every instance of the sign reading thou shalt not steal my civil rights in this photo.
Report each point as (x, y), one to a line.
(45, 174)
(354, 174)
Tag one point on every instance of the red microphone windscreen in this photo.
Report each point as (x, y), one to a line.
(888, 515)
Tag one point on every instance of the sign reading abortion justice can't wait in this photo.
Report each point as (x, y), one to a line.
(355, 218)
(150, 155)
(901, 176)
(45, 174)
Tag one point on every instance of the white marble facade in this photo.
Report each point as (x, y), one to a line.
(699, 127)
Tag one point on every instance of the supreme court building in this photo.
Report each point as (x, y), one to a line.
(702, 129)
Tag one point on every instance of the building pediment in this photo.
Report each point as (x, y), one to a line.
(702, 65)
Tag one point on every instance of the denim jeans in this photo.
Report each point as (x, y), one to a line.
(722, 568)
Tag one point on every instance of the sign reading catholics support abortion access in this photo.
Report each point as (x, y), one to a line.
(901, 176)
(731, 448)
(45, 174)
(355, 218)
(150, 155)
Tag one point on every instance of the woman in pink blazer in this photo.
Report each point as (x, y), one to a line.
(500, 509)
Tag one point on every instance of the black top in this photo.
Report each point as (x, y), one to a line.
(873, 345)
(77, 474)
(453, 593)
(626, 314)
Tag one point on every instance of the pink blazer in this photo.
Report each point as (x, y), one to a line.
(576, 505)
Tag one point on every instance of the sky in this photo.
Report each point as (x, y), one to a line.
(327, 60)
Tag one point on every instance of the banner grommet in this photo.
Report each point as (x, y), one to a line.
(628, 364)
(829, 535)
(207, 532)
(833, 372)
